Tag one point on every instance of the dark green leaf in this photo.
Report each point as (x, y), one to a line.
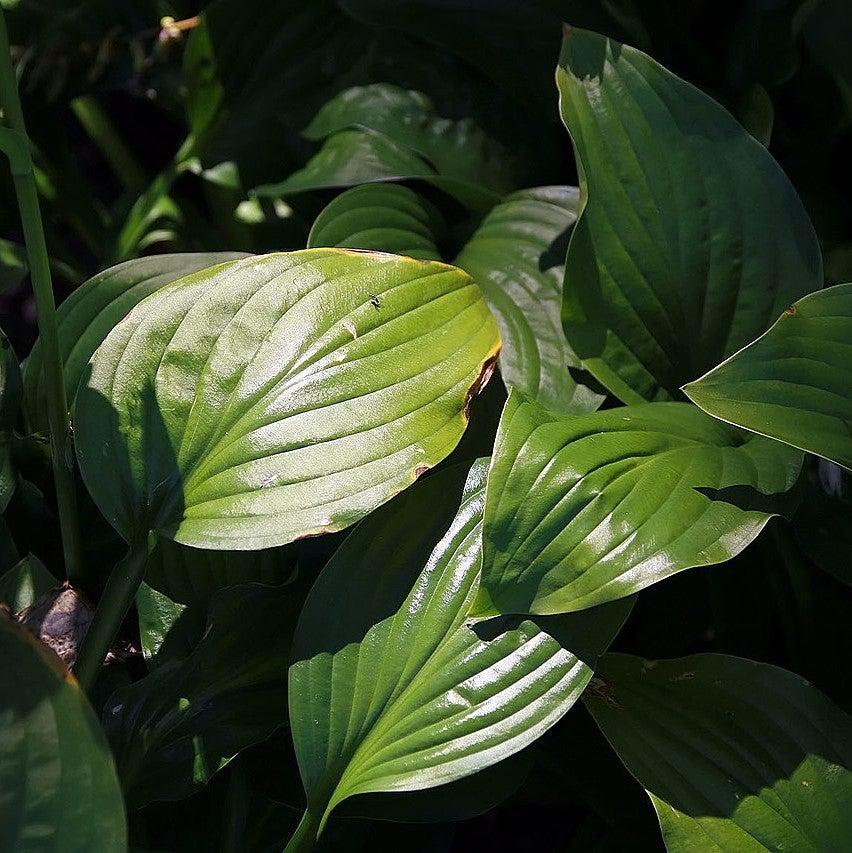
(58, 788)
(89, 314)
(517, 258)
(691, 240)
(392, 688)
(586, 509)
(793, 383)
(383, 132)
(384, 217)
(736, 755)
(10, 404)
(174, 729)
(282, 396)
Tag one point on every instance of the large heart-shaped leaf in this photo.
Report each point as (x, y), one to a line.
(384, 217)
(172, 730)
(793, 383)
(517, 258)
(691, 241)
(735, 755)
(585, 509)
(383, 132)
(58, 786)
(392, 688)
(89, 314)
(281, 396)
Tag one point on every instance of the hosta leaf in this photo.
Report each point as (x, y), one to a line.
(793, 383)
(158, 615)
(385, 217)
(735, 755)
(191, 576)
(58, 787)
(171, 731)
(691, 240)
(517, 258)
(383, 132)
(25, 582)
(89, 314)
(586, 509)
(281, 396)
(391, 687)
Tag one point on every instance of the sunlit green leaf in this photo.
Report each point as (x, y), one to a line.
(281, 396)
(589, 508)
(25, 582)
(735, 755)
(58, 788)
(794, 383)
(691, 240)
(392, 688)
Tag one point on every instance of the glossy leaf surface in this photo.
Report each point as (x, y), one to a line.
(383, 217)
(383, 132)
(735, 755)
(691, 240)
(58, 786)
(586, 509)
(89, 314)
(517, 258)
(794, 383)
(391, 688)
(171, 731)
(280, 396)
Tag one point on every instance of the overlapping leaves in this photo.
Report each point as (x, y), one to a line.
(795, 382)
(691, 240)
(735, 755)
(586, 509)
(392, 688)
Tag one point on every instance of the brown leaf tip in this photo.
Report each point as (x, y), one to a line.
(567, 30)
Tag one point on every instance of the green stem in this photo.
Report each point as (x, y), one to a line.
(39, 262)
(103, 133)
(305, 837)
(118, 595)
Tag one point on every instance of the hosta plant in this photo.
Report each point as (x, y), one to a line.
(403, 467)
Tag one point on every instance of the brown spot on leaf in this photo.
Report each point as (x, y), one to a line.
(481, 381)
(420, 470)
(567, 29)
(790, 310)
(60, 619)
(602, 689)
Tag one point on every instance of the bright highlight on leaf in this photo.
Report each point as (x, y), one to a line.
(691, 240)
(794, 383)
(586, 509)
(282, 396)
(391, 687)
(735, 755)
(58, 788)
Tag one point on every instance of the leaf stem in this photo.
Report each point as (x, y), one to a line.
(39, 262)
(305, 837)
(118, 595)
